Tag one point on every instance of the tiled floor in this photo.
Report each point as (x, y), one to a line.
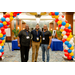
(14, 56)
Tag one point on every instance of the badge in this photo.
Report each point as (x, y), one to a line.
(37, 38)
(27, 37)
(43, 38)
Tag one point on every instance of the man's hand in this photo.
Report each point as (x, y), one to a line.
(18, 44)
(48, 47)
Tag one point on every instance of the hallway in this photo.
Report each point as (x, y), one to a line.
(14, 56)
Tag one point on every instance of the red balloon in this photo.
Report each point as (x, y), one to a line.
(19, 12)
(5, 26)
(69, 30)
(52, 13)
(4, 16)
(1, 22)
(65, 50)
(63, 40)
(0, 56)
(66, 21)
(69, 57)
(3, 32)
(56, 20)
(2, 53)
(62, 16)
(8, 23)
(60, 25)
(2, 29)
(0, 41)
(66, 29)
(67, 33)
(7, 15)
(14, 14)
(66, 54)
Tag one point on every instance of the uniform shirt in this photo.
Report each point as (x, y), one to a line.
(46, 36)
(35, 35)
(23, 38)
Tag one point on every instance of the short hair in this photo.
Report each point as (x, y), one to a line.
(37, 24)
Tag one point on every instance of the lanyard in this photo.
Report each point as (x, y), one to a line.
(38, 34)
(27, 33)
(44, 33)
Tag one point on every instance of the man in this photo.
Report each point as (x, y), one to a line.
(24, 42)
(35, 42)
(46, 42)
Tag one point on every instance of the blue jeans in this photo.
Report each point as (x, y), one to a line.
(44, 48)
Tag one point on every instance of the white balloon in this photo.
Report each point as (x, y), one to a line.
(62, 27)
(0, 47)
(63, 19)
(63, 32)
(72, 44)
(72, 38)
(60, 14)
(73, 50)
(0, 53)
(7, 19)
(66, 48)
(65, 37)
(71, 41)
(60, 18)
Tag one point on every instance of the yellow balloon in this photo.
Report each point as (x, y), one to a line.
(11, 18)
(3, 41)
(62, 35)
(56, 17)
(4, 23)
(50, 13)
(11, 14)
(59, 22)
(68, 39)
(71, 54)
(1, 44)
(67, 25)
(53, 16)
(61, 30)
(72, 48)
(1, 35)
(70, 36)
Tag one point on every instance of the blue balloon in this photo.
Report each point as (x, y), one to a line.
(2, 50)
(2, 46)
(56, 13)
(69, 27)
(63, 23)
(72, 57)
(69, 45)
(4, 35)
(66, 42)
(2, 38)
(13, 17)
(3, 19)
(69, 51)
(1, 25)
(18, 14)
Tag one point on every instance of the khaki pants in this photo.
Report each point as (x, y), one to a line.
(35, 49)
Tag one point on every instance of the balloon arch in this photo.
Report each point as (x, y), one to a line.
(63, 24)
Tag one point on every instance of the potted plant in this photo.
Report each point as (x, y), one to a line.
(59, 34)
(15, 31)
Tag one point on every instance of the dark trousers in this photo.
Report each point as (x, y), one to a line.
(24, 53)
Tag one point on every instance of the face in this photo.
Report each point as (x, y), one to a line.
(37, 27)
(27, 27)
(45, 27)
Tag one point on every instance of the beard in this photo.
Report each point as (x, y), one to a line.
(37, 28)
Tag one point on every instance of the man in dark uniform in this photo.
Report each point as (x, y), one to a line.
(24, 42)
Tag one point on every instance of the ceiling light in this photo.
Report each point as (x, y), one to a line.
(37, 20)
(38, 13)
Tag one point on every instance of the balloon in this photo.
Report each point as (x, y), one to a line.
(72, 57)
(4, 35)
(1, 35)
(66, 21)
(60, 14)
(72, 44)
(59, 25)
(62, 27)
(69, 57)
(59, 22)
(63, 19)
(1, 44)
(56, 13)
(63, 40)
(71, 54)
(5, 26)
(72, 48)
(8, 15)
(67, 25)
(2, 29)
(3, 41)
(4, 16)
(63, 32)
(63, 23)
(1, 25)
(52, 13)
(62, 35)
(56, 20)
(60, 18)
(53, 16)
(11, 18)
(0, 41)
(65, 50)
(11, 14)
(8, 23)
(0, 47)
(0, 53)
(3, 19)
(69, 51)
(4, 23)
(66, 54)
(18, 14)
(66, 29)
(66, 42)
(2, 38)
(1, 50)
(71, 41)
(3, 32)
(69, 45)
(65, 37)
(0, 56)
(56, 17)
(64, 45)
(69, 30)
(7, 19)
(68, 39)
(68, 34)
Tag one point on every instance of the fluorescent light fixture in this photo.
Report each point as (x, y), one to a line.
(37, 20)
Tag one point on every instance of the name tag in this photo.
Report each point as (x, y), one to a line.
(27, 37)
(37, 38)
(43, 38)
